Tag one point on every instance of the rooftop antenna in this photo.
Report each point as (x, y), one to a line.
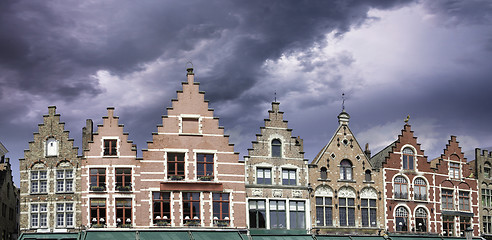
(343, 101)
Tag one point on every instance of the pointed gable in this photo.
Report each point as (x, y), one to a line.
(51, 143)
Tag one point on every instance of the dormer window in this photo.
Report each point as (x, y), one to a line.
(454, 170)
(408, 159)
(345, 170)
(276, 148)
(110, 147)
(51, 147)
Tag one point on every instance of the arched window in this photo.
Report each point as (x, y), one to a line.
(346, 206)
(368, 208)
(51, 147)
(408, 161)
(345, 170)
(324, 206)
(368, 176)
(401, 188)
(421, 220)
(401, 214)
(420, 189)
(276, 148)
(323, 174)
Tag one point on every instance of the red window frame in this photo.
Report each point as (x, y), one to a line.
(205, 165)
(123, 210)
(447, 199)
(100, 211)
(121, 177)
(161, 200)
(177, 162)
(221, 203)
(110, 148)
(191, 205)
(464, 201)
(100, 176)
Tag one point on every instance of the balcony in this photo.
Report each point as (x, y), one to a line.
(420, 197)
(221, 222)
(195, 222)
(162, 222)
(399, 195)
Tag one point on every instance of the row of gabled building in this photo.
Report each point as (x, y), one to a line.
(190, 177)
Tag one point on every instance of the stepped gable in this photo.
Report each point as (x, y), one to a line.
(453, 152)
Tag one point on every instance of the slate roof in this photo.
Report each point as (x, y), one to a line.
(378, 158)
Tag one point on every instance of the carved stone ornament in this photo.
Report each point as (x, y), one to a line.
(257, 192)
(346, 192)
(368, 193)
(324, 191)
(297, 193)
(277, 193)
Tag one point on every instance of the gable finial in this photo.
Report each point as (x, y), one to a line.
(275, 93)
(343, 101)
(406, 119)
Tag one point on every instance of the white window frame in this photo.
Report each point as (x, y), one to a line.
(289, 172)
(40, 212)
(63, 210)
(65, 180)
(36, 181)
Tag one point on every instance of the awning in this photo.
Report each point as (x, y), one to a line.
(319, 237)
(55, 236)
(215, 235)
(164, 235)
(103, 235)
(284, 237)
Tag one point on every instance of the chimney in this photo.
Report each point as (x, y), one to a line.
(190, 75)
(86, 135)
(367, 151)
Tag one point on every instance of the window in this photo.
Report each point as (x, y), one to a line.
(464, 201)
(288, 177)
(123, 179)
(408, 158)
(368, 212)
(486, 170)
(110, 147)
(205, 166)
(367, 176)
(297, 215)
(276, 148)
(420, 189)
(421, 220)
(123, 211)
(64, 181)
(277, 214)
(257, 214)
(51, 147)
(401, 219)
(486, 197)
(263, 176)
(221, 208)
(191, 207)
(98, 179)
(64, 215)
(487, 224)
(465, 222)
(324, 211)
(176, 165)
(454, 170)
(162, 208)
(39, 182)
(323, 173)
(447, 199)
(347, 211)
(345, 170)
(39, 215)
(401, 188)
(98, 212)
(448, 226)
(4, 209)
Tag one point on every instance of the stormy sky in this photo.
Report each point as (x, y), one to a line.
(430, 59)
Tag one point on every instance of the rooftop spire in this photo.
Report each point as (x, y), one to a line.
(343, 117)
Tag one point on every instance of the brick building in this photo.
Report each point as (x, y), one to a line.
(190, 174)
(346, 197)
(481, 169)
(9, 199)
(457, 190)
(49, 173)
(110, 173)
(423, 197)
(277, 178)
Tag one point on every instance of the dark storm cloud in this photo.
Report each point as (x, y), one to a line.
(462, 12)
